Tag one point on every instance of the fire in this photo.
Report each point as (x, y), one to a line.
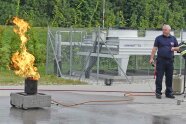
(22, 62)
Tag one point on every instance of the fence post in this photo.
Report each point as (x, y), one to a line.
(47, 51)
(98, 49)
(70, 73)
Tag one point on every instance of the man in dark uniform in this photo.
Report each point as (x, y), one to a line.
(165, 44)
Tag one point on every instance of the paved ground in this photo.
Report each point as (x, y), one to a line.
(141, 110)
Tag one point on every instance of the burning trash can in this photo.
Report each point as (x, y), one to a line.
(30, 86)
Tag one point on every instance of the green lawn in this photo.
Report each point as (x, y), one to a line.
(7, 77)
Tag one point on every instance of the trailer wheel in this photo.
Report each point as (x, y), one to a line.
(108, 82)
(12, 104)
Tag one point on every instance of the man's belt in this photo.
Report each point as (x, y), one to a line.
(166, 58)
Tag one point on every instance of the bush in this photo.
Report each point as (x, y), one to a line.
(9, 43)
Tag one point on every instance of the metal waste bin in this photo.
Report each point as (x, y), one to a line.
(177, 84)
(30, 86)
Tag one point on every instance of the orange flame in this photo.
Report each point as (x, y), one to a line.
(23, 62)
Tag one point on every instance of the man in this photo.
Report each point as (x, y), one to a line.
(165, 44)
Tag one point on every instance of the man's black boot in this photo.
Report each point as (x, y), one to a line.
(171, 96)
(158, 96)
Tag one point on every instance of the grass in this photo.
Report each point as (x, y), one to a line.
(7, 78)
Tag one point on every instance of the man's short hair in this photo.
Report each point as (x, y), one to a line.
(167, 26)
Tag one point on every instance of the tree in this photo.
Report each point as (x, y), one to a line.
(88, 13)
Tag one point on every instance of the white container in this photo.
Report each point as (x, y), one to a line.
(177, 84)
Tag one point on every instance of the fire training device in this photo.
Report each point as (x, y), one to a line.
(182, 50)
(30, 98)
(22, 63)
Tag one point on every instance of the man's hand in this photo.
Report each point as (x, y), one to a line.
(175, 49)
(172, 49)
(154, 49)
(151, 61)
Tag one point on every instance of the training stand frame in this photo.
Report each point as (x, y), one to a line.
(184, 86)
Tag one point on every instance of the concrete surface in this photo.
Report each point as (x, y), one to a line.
(141, 110)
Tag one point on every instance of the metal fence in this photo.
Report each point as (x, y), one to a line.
(83, 54)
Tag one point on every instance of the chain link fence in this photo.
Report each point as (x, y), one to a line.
(82, 54)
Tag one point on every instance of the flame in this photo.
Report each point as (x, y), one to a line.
(22, 61)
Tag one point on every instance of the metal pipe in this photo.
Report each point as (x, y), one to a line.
(103, 14)
(184, 78)
(180, 55)
(116, 61)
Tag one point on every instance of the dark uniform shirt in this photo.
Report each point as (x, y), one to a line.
(164, 45)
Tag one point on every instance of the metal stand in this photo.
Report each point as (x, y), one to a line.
(184, 87)
(184, 79)
(91, 60)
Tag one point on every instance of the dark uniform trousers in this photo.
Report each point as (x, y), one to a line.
(164, 66)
